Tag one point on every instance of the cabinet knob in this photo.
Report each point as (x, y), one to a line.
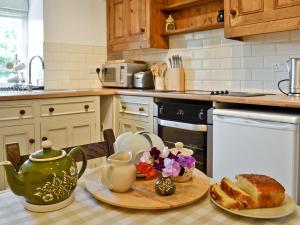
(141, 109)
(123, 107)
(86, 107)
(44, 138)
(233, 12)
(31, 140)
(142, 29)
(51, 109)
(22, 111)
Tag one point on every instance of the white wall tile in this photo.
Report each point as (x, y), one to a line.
(263, 50)
(252, 62)
(213, 62)
(295, 35)
(263, 75)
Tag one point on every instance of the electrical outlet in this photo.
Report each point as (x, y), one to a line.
(279, 67)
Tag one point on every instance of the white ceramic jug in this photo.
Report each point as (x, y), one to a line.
(119, 173)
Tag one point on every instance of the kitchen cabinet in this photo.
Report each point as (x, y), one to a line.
(243, 17)
(192, 15)
(69, 132)
(22, 134)
(133, 113)
(65, 121)
(135, 24)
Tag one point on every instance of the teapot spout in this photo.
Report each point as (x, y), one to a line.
(14, 179)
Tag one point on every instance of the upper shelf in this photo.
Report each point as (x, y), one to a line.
(184, 4)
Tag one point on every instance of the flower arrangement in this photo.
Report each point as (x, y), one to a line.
(165, 163)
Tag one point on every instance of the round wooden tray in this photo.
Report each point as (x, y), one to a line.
(143, 195)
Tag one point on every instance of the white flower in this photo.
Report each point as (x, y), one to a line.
(72, 170)
(48, 197)
(165, 152)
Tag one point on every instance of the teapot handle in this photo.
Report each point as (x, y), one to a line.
(84, 159)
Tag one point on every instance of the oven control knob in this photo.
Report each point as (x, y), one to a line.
(226, 92)
(161, 110)
(201, 115)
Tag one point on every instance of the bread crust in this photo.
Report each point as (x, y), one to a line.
(268, 191)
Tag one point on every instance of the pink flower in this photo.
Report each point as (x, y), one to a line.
(172, 168)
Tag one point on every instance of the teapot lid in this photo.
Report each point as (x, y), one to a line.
(47, 153)
(179, 148)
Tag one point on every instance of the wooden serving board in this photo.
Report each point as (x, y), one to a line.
(143, 195)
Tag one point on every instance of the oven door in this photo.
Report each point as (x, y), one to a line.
(196, 137)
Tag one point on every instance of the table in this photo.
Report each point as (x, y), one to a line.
(87, 210)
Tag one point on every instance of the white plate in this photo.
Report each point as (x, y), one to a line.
(288, 206)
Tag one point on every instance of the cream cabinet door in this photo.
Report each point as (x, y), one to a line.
(133, 125)
(66, 133)
(21, 134)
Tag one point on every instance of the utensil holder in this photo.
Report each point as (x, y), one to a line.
(175, 79)
(159, 83)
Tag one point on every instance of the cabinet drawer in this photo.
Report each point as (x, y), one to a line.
(67, 108)
(134, 108)
(16, 112)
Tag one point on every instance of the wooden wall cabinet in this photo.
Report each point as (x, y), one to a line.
(135, 24)
(244, 17)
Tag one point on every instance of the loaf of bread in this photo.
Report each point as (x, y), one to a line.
(237, 193)
(223, 199)
(250, 191)
(266, 191)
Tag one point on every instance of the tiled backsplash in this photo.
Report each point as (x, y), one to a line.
(72, 66)
(212, 62)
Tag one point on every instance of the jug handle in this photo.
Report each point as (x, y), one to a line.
(280, 87)
(84, 159)
(105, 179)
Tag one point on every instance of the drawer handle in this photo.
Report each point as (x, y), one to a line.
(22, 111)
(141, 109)
(123, 107)
(44, 138)
(86, 107)
(143, 30)
(51, 109)
(31, 140)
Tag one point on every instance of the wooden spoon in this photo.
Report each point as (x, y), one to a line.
(164, 68)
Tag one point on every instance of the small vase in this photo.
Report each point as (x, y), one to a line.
(165, 186)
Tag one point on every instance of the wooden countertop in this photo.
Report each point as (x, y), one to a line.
(268, 100)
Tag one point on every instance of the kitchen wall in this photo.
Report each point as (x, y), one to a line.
(36, 39)
(74, 42)
(212, 62)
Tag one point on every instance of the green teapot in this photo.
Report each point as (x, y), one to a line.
(47, 179)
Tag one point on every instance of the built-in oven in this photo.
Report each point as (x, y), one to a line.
(189, 122)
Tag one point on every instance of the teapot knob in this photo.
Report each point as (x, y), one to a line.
(46, 144)
(178, 145)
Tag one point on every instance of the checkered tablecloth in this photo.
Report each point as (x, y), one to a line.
(87, 210)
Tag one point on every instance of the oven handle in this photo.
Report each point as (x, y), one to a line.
(184, 126)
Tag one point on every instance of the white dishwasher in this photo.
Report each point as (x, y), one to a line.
(257, 142)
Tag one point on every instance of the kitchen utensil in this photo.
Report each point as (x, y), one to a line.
(175, 79)
(143, 196)
(164, 68)
(170, 61)
(155, 69)
(47, 179)
(293, 65)
(119, 172)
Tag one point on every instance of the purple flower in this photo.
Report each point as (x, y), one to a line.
(186, 161)
(172, 156)
(172, 168)
(159, 165)
(154, 152)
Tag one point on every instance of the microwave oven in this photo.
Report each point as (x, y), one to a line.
(120, 74)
